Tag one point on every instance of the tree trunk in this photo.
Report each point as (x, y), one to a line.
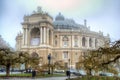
(8, 69)
(26, 67)
(52, 69)
(89, 72)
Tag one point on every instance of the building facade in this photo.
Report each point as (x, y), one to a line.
(63, 38)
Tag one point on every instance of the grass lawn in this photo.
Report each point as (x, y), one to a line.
(30, 74)
(96, 78)
(18, 75)
(50, 75)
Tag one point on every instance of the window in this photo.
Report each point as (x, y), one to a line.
(65, 41)
(83, 41)
(96, 42)
(55, 54)
(90, 42)
(65, 54)
(55, 36)
(76, 41)
(55, 42)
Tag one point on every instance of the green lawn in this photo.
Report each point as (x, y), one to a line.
(96, 78)
(18, 75)
(29, 75)
(50, 75)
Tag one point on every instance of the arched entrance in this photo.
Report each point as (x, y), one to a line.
(34, 54)
(35, 37)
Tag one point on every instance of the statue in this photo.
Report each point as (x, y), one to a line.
(39, 10)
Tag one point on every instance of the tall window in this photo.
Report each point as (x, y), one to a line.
(65, 41)
(76, 41)
(90, 42)
(55, 42)
(96, 42)
(83, 41)
(65, 54)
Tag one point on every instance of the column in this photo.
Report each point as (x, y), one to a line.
(72, 41)
(52, 37)
(80, 41)
(26, 36)
(48, 36)
(23, 36)
(44, 36)
(60, 40)
(41, 37)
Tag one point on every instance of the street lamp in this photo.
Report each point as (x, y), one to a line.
(49, 58)
(68, 72)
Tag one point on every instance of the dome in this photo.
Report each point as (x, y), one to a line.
(63, 23)
(59, 17)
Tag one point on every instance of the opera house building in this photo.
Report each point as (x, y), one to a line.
(66, 40)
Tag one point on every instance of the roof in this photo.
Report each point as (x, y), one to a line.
(62, 23)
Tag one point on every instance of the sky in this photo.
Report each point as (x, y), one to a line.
(101, 15)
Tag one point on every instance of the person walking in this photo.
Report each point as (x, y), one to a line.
(68, 74)
(33, 74)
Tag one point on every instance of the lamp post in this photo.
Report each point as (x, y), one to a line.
(69, 70)
(49, 58)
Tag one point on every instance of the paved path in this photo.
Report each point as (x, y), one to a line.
(50, 78)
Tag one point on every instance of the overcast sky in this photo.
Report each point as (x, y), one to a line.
(103, 15)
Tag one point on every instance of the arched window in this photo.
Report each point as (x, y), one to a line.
(65, 41)
(35, 37)
(90, 42)
(96, 42)
(83, 41)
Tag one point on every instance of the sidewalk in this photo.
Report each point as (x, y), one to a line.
(50, 78)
